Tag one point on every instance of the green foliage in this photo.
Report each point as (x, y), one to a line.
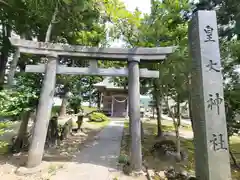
(13, 103)
(230, 59)
(4, 146)
(98, 117)
(23, 97)
(123, 159)
(75, 103)
(55, 110)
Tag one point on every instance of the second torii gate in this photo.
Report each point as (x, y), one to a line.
(54, 50)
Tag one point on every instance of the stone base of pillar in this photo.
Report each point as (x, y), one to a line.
(137, 173)
(23, 171)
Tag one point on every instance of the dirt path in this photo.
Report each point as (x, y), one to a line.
(98, 159)
(55, 159)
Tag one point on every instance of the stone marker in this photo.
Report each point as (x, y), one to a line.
(211, 140)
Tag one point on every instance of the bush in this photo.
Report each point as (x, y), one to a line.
(123, 159)
(55, 110)
(75, 103)
(4, 146)
(98, 117)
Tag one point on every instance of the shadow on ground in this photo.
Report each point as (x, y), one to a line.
(93, 150)
(62, 153)
(159, 163)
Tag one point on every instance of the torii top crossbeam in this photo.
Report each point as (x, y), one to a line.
(45, 48)
(51, 68)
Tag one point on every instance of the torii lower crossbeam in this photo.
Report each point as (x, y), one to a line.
(54, 51)
(123, 72)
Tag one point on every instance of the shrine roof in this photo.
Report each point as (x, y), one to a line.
(108, 84)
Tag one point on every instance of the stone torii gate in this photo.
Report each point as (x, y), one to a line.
(207, 98)
(53, 51)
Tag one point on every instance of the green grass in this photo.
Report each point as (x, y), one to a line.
(88, 109)
(3, 147)
(3, 144)
(126, 124)
(157, 164)
(235, 147)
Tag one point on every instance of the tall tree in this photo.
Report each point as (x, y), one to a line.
(61, 16)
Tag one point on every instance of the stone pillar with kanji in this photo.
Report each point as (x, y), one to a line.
(210, 136)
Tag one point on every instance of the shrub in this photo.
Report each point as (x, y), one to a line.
(75, 103)
(4, 146)
(123, 159)
(55, 110)
(98, 117)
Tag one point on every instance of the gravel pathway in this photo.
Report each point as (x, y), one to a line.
(98, 159)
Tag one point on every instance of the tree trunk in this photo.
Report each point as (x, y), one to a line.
(153, 110)
(159, 112)
(90, 101)
(234, 159)
(36, 149)
(177, 125)
(3, 63)
(50, 26)
(178, 145)
(13, 66)
(65, 95)
(190, 102)
(190, 112)
(52, 135)
(99, 100)
(6, 32)
(232, 156)
(22, 132)
(79, 122)
(157, 95)
(63, 108)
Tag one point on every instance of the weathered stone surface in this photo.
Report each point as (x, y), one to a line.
(22, 171)
(211, 142)
(134, 107)
(43, 114)
(61, 69)
(32, 47)
(76, 48)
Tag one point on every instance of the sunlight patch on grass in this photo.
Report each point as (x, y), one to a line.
(126, 124)
(99, 124)
(156, 163)
(169, 125)
(89, 109)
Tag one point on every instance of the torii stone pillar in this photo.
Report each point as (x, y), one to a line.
(134, 115)
(43, 113)
(210, 136)
(119, 54)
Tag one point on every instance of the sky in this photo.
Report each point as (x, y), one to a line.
(143, 5)
(131, 5)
